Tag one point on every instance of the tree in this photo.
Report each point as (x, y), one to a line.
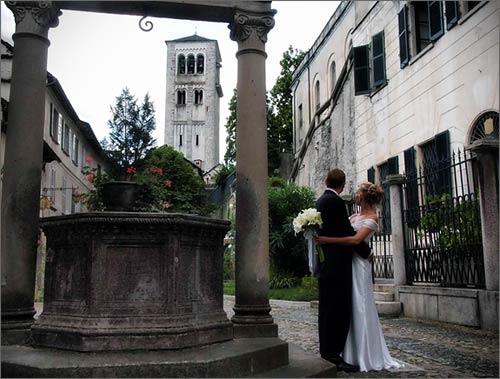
(281, 97)
(131, 126)
(230, 155)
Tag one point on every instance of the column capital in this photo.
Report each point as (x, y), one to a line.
(484, 145)
(246, 24)
(34, 17)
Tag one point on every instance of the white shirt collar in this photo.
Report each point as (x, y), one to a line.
(331, 189)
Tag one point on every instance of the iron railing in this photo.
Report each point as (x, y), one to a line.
(442, 223)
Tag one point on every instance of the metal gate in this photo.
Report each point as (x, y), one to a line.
(442, 223)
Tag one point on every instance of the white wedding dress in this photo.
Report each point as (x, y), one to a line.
(365, 345)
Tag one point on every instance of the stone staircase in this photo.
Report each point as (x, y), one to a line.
(385, 301)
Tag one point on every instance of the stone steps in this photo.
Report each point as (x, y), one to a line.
(385, 300)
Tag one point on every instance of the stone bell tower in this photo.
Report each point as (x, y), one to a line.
(192, 99)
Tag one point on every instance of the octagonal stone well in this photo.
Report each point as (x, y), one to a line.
(127, 281)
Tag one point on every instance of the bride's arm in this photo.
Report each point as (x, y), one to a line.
(354, 240)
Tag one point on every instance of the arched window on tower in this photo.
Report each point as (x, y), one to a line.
(198, 96)
(190, 64)
(181, 64)
(200, 64)
(316, 94)
(333, 76)
(181, 97)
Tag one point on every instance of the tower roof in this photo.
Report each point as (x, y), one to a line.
(193, 38)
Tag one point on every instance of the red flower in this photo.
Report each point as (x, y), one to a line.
(131, 170)
(88, 160)
(168, 183)
(90, 177)
(157, 170)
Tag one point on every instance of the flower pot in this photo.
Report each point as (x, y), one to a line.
(120, 196)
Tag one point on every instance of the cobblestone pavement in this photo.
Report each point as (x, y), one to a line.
(440, 350)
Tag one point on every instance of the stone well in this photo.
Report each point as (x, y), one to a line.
(127, 281)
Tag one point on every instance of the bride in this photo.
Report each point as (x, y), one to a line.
(365, 345)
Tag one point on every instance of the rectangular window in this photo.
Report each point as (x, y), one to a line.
(198, 97)
(421, 16)
(361, 70)
(301, 117)
(404, 52)
(52, 189)
(74, 155)
(65, 139)
(378, 50)
(63, 195)
(54, 124)
(181, 97)
(60, 128)
(436, 165)
(371, 174)
(452, 13)
(197, 140)
(180, 139)
(385, 212)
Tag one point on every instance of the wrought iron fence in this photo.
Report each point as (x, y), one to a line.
(443, 243)
(381, 244)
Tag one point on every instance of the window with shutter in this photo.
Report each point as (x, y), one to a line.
(422, 33)
(65, 139)
(371, 174)
(412, 205)
(190, 64)
(393, 165)
(436, 28)
(452, 13)
(361, 70)
(200, 64)
(404, 53)
(385, 214)
(378, 48)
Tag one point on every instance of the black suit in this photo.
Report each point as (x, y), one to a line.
(335, 276)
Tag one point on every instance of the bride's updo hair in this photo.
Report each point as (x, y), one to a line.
(372, 193)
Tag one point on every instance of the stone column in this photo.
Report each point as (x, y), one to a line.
(487, 156)
(398, 247)
(23, 165)
(252, 318)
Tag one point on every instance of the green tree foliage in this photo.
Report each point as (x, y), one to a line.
(288, 252)
(280, 124)
(186, 190)
(230, 156)
(131, 127)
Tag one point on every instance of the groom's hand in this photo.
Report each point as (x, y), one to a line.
(363, 249)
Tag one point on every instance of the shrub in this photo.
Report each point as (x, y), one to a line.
(279, 281)
(288, 252)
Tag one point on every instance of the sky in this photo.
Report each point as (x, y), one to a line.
(95, 55)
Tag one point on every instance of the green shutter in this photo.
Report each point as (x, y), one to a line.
(378, 50)
(361, 70)
(435, 19)
(451, 9)
(404, 53)
(412, 205)
(442, 146)
(393, 165)
(371, 174)
(51, 128)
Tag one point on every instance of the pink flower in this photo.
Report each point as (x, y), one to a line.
(131, 170)
(90, 177)
(168, 183)
(166, 205)
(88, 160)
(157, 170)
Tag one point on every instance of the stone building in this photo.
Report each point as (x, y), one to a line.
(409, 88)
(192, 99)
(69, 145)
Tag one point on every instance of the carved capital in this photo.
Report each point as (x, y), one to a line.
(246, 24)
(35, 17)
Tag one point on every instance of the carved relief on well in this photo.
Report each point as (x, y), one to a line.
(246, 24)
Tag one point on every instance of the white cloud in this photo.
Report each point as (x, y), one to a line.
(95, 56)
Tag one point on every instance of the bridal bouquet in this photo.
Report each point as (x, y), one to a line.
(308, 221)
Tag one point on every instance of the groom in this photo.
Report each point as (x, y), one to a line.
(335, 273)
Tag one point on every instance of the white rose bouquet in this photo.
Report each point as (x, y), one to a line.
(308, 221)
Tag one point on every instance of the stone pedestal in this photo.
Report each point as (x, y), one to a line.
(127, 281)
(487, 157)
(398, 247)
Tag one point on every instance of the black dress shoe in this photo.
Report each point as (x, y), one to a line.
(346, 367)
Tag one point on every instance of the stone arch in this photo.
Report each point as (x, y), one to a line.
(332, 73)
(316, 91)
(347, 44)
(191, 64)
(200, 63)
(181, 64)
(485, 125)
